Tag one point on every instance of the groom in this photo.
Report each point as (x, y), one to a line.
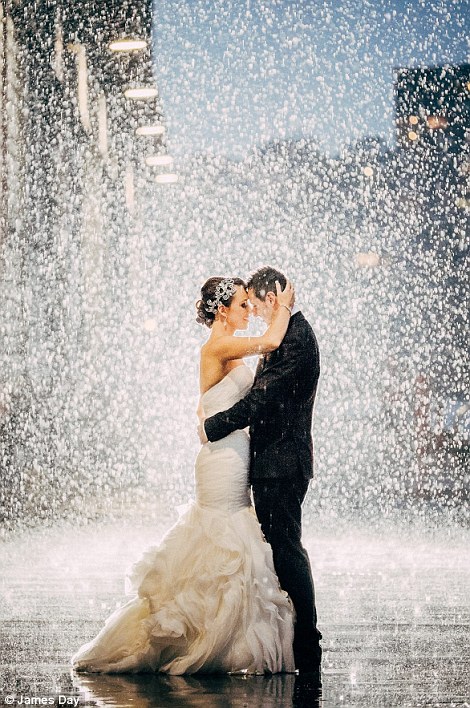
(278, 410)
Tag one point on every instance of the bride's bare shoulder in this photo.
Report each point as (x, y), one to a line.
(209, 360)
(210, 347)
(207, 349)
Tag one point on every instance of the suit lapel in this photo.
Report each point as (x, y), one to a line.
(273, 356)
(261, 365)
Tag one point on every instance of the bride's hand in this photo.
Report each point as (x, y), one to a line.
(287, 296)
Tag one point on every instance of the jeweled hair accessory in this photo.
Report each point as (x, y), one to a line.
(225, 289)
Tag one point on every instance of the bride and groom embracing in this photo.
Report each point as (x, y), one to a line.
(228, 589)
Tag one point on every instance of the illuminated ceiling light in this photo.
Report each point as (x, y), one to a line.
(142, 92)
(127, 45)
(368, 260)
(368, 171)
(158, 160)
(150, 130)
(413, 120)
(412, 135)
(168, 178)
(435, 122)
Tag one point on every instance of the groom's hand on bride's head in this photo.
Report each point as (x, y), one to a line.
(202, 433)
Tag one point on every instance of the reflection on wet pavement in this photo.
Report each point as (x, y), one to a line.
(148, 691)
(394, 611)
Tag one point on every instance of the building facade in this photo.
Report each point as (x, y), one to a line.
(79, 116)
(432, 109)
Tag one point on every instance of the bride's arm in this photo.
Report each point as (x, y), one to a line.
(200, 411)
(278, 380)
(228, 347)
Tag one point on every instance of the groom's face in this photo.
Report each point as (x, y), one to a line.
(261, 308)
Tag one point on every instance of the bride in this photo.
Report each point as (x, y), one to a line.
(207, 599)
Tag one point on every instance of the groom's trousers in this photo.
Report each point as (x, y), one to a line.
(278, 507)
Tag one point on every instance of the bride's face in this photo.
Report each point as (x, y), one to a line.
(261, 308)
(238, 313)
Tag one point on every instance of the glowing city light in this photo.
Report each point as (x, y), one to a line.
(412, 135)
(435, 122)
(150, 324)
(368, 260)
(368, 171)
(413, 120)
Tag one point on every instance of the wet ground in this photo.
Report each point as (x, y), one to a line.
(394, 610)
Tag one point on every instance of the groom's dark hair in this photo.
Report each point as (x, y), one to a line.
(263, 281)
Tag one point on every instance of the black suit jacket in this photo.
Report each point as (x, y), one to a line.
(278, 408)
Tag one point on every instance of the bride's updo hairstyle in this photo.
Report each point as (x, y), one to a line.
(210, 296)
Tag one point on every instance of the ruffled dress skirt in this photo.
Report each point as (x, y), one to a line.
(207, 599)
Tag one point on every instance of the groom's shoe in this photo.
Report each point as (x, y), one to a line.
(309, 663)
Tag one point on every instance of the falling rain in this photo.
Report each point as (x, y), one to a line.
(146, 147)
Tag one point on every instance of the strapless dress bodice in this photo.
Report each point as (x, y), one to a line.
(221, 470)
(224, 394)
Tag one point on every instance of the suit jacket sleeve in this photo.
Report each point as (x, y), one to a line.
(271, 385)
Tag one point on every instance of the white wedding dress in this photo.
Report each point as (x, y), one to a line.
(207, 598)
